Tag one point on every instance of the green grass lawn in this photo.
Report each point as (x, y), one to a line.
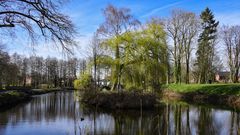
(220, 89)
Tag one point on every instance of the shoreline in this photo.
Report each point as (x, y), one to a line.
(128, 100)
(11, 98)
(222, 96)
(231, 101)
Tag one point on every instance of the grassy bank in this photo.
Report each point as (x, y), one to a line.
(12, 97)
(41, 91)
(215, 94)
(219, 89)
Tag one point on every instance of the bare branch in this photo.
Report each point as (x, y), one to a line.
(47, 18)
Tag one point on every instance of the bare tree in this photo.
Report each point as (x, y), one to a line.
(4, 60)
(182, 28)
(231, 40)
(95, 52)
(190, 31)
(38, 16)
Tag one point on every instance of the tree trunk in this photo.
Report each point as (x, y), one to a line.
(175, 72)
(179, 70)
(116, 75)
(236, 75)
(24, 81)
(95, 71)
(187, 71)
(1, 85)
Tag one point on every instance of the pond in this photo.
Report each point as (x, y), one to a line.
(61, 114)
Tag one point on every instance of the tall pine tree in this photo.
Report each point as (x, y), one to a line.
(206, 42)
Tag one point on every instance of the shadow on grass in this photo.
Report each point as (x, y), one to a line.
(219, 89)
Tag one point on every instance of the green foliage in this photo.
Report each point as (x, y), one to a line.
(143, 58)
(147, 58)
(84, 82)
(117, 22)
(133, 87)
(220, 89)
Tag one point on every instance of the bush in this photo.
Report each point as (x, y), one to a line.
(84, 82)
(133, 88)
(43, 86)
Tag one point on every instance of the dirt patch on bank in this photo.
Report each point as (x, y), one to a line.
(122, 100)
(203, 98)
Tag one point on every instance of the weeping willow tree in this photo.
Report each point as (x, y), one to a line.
(117, 22)
(146, 57)
(143, 57)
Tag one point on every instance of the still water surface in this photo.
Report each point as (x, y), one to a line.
(61, 114)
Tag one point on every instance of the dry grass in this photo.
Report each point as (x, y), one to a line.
(123, 100)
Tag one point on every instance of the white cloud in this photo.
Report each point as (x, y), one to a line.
(153, 11)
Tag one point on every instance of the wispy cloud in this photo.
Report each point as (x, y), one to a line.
(229, 18)
(153, 11)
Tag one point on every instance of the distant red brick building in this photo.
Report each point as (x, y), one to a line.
(222, 76)
(28, 80)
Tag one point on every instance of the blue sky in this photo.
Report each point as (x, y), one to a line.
(87, 16)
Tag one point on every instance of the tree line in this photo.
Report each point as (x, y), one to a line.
(182, 48)
(39, 20)
(37, 72)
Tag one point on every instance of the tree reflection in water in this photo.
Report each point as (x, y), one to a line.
(61, 113)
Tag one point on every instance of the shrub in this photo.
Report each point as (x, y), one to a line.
(84, 82)
(133, 88)
(43, 86)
